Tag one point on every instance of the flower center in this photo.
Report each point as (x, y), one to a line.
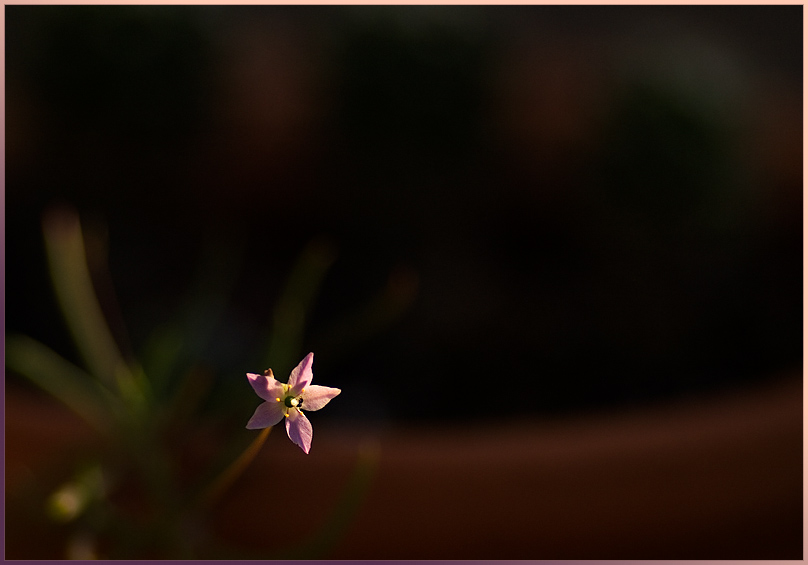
(292, 402)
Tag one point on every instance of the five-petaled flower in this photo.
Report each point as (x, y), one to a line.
(285, 401)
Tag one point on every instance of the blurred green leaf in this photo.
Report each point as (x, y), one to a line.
(73, 286)
(63, 380)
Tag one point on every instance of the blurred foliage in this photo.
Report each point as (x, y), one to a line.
(141, 420)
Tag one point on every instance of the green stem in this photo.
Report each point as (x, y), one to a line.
(223, 481)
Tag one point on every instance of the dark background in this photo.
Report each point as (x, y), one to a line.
(594, 207)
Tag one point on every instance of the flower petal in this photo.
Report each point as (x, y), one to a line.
(316, 396)
(301, 375)
(266, 415)
(298, 428)
(266, 386)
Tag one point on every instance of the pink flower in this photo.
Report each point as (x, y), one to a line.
(288, 400)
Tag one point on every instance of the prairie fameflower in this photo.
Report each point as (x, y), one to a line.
(287, 401)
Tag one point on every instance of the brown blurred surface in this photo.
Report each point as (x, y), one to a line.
(716, 477)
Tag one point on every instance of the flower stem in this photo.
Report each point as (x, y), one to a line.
(223, 481)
